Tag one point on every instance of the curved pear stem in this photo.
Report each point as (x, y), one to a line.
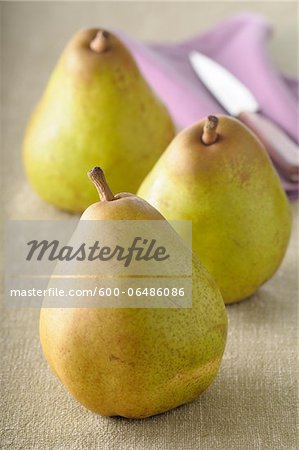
(99, 44)
(97, 176)
(210, 135)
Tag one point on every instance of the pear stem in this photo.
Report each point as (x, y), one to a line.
(97, 176)
(99, 44)
(210, 135)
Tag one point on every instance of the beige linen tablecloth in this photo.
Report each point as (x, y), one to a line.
(252, 403)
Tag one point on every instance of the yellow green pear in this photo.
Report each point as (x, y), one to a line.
(97, 106)
(136, 362)
(217, 174)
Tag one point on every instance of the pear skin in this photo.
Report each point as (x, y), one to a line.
(136, 362)
(96, 107)
(217, 174)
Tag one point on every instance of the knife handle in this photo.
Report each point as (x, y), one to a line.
(283, 151)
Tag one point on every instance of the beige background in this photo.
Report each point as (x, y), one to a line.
(252, 403)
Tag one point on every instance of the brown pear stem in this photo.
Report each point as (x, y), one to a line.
(100, 43)
(97, 176)
(210, 135)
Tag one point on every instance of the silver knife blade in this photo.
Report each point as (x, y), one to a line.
(226, 88)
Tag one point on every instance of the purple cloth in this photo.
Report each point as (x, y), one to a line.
(239, 44)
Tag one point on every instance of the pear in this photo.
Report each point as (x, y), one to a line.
(136, 362)
(97, 106)
(217, 174)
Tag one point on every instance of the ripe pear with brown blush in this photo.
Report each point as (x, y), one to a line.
(97, 106)
(136, 362)
(217, 174)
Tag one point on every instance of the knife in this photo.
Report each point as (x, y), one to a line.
(239, 102)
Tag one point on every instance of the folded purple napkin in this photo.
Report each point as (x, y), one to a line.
(239, 44)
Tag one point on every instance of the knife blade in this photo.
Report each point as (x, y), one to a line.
(239, 102)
